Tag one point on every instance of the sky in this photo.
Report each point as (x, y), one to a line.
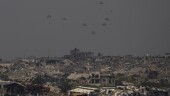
(37, 27)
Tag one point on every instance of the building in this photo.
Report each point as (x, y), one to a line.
(78, 55)
(107, 80)
(102, 79)
(95, 78)
(83, 91)
(12, 89)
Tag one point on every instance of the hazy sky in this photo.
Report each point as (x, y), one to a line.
(133, 27)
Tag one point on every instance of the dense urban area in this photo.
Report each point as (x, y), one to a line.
(86, 74)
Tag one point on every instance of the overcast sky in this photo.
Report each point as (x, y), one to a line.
(132, 27)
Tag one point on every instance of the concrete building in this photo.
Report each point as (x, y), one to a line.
(102, 79)
(83, 91)
(78, 55)
(107, 80)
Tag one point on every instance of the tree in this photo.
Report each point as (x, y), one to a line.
(4, 77)
(39, 80)
(120, 76)
(132, 78)
(153, 74)
(64, 85)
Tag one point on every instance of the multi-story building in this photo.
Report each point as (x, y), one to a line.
(102, 79)
(78, 55)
